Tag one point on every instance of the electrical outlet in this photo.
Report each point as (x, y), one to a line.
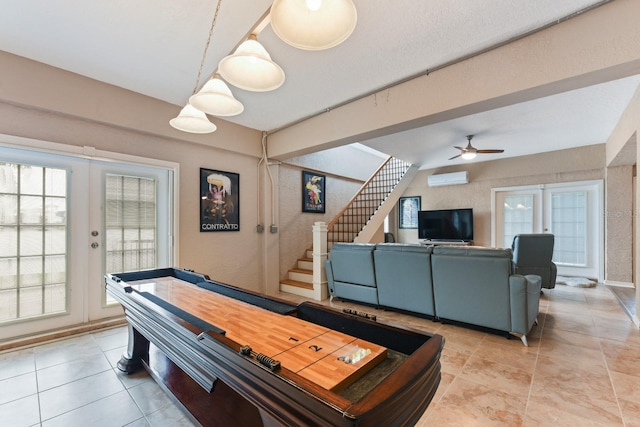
(260, 228)
(274, 228)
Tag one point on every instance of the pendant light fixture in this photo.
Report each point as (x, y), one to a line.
(313, 24)
(216, 98)
(191, 119)
(250, 67)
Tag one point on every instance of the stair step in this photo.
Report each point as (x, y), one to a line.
(301, 275)
(297, 284)
(305, 264)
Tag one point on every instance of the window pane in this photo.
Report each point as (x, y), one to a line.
(31, 210)
(55, 240)
(55, 268)
(31, 179)
(9, 239)
(30, 271)
(8, 273)
(55, 182)
(31, 239)
(31, 298)
(55, 300)
(9, 306)
(8, 178)
(518, 216)
(8, 209)
(55, 210)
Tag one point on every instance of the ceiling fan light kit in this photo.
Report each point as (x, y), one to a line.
(313, 24)
(469, 152)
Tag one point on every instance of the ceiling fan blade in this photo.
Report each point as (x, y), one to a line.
(455, 157)
(459, 148)
(490, 151)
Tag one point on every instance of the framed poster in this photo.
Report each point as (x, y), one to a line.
(408, 211)
(313, 192)
(219, 200)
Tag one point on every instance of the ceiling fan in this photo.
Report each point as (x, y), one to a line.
(469, 152)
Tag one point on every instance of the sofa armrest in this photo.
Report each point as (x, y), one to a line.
(329, 274)
(525, 302)
(554, 276)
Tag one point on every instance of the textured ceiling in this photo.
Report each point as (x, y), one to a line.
(155, 47)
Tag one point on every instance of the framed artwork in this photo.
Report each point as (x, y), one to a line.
(313, 192)
(219, 200)
(408, 211)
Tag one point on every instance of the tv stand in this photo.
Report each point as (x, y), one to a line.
(445, 242)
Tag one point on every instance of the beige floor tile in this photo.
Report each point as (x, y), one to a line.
(557, 335)
(621, 357)
(586, 393)
(579, 323)
(469, 404)
(453, 361)
(497, 376)
(509, 352)
(540, 414)
(630, 412)
(626, 386)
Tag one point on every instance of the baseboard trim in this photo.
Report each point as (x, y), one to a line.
(620, 284)
(58, 334)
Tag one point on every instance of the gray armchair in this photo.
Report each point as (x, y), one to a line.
(532, 254)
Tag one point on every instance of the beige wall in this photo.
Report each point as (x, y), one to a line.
(346, 169)
(619, 225)
(222, 255)
(295, 225)
(578, 164)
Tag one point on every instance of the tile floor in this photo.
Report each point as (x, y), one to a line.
(582, 368)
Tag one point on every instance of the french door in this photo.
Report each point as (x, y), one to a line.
(570, 211)
(65, 221)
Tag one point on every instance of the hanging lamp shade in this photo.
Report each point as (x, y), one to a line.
(192, 120)
(250, 67)
(313, 24)
(216, 98)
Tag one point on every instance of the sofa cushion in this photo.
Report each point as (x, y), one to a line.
(403, 276)
(353, 263)
(471, 285)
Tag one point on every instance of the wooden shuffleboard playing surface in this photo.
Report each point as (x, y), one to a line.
(326, 357)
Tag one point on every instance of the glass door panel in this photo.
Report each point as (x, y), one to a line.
(515, 212)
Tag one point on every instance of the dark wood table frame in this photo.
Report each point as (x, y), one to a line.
(219, 385)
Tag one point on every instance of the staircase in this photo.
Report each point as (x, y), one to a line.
(358, 221)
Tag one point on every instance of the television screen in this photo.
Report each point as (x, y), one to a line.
(446, 224)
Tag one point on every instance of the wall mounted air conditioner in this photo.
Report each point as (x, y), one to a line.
(454, 178)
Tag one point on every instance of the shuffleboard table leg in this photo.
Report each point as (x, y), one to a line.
(137, 351)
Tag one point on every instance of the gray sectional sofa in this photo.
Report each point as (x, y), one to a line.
(466, 284)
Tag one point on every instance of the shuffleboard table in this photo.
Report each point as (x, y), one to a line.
(234, 357)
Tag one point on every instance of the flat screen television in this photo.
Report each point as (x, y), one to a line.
(446, 225)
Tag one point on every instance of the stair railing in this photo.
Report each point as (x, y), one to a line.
(357, 213)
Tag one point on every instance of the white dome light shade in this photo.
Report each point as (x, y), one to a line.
(251, 68)
(469, 155)
(192, 120)
(216, 98)
(313, 24)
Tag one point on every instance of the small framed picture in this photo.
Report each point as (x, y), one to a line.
(313, 192)
(408, 208)
(219, 200)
